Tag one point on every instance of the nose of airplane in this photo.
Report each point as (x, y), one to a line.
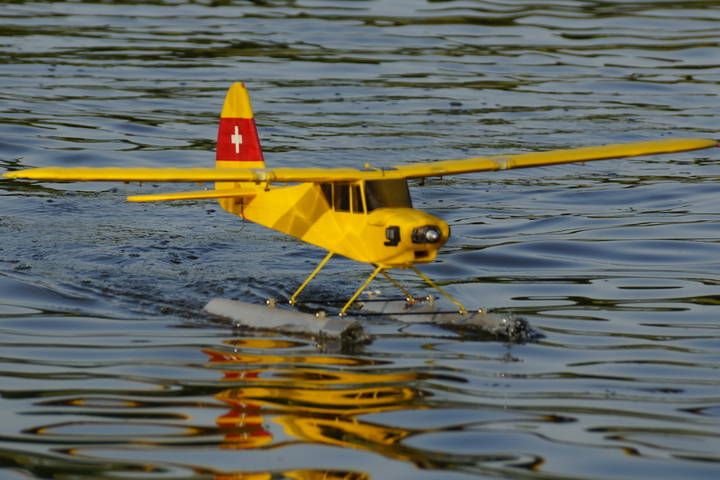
(417, 230)
(426, 234)
(419, 235)
(412, 235)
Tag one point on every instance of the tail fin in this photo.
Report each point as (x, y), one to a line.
(238, 144)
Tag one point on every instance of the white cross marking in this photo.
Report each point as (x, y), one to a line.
(236, 139)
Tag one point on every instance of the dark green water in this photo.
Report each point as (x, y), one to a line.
(107, 368)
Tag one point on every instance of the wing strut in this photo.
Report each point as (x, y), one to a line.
(307, 280)
(463, 310)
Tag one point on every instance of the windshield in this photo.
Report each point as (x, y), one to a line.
(387, 194)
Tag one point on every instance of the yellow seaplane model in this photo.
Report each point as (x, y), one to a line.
(365, 214)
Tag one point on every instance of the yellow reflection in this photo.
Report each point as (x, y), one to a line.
(246, 357)
(343, 401)
(342, 432)
(312, 404)
(297, 475)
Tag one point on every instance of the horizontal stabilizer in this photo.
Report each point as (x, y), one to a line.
(196, 195)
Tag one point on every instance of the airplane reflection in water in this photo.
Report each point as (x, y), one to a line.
(312, 404)
(279, 394)
(319, 404)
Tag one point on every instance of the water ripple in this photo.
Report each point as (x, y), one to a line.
(110, 370)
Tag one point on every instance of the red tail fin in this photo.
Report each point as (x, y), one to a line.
(238, 144)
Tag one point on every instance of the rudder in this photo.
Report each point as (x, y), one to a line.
(238, 144)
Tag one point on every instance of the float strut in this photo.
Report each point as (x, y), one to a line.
(408, 296)
(312, 275)
(463, 311)
(377, 270)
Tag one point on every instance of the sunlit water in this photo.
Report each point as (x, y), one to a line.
(109, 369)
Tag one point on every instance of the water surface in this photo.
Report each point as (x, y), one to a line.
(108, 368)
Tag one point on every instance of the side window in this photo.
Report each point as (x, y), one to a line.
(327, 192)
(357, 203)
(341, 197)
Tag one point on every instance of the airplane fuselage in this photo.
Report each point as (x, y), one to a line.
(370, 221)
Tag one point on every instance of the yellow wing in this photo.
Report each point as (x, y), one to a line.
(258, 175)
(553, 157)
(415, 170)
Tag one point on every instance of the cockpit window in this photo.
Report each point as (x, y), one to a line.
(357, 202)
(341, 197)
(327, 192)
(387, 194)
(344, 197)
